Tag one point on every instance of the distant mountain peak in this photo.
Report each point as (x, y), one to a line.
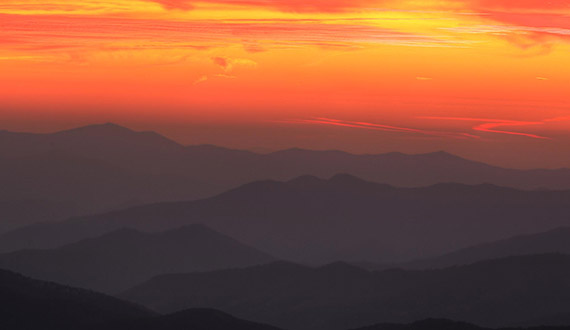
(118, 135)
(100, 128)
(111, 125)
(441, 154)
(302, 151)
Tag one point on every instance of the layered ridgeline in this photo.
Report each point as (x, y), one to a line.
(525, 290)
(102, 167)
(29, 304)
(90, 169)
(552, 241)
(126, 257)
(344, 218)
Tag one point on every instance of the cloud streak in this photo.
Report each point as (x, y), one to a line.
(488, 125)
(485, 125)
(286, 5)
(61, 33)
(381, 127)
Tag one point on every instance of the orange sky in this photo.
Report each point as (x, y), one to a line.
(487, 79)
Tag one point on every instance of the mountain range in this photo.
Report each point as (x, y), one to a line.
(495, 293)
(29, 304)
(126, 257)
(197, 234)
(307, 219)
(552, 241)
(103, 167)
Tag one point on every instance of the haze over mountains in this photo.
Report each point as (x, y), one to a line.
(102, 167)
(307, 219)
(193, 233)
(124, 258)
(495, 293)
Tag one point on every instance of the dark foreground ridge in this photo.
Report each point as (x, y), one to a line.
(442, 324)
(29, 304)
(192, 319)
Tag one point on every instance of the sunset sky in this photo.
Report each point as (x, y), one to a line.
(485, 79)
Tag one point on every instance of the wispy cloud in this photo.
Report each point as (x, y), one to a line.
(489, 125)
(486, 125)
(524, 23)
(381, 127)
(71, 33)
(287, 5)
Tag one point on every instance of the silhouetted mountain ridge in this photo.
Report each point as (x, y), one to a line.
(493, 293)
(194, 319)
(307, 219)
(553, 241)
(125, 257)
(29, 304)
(146, 167)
